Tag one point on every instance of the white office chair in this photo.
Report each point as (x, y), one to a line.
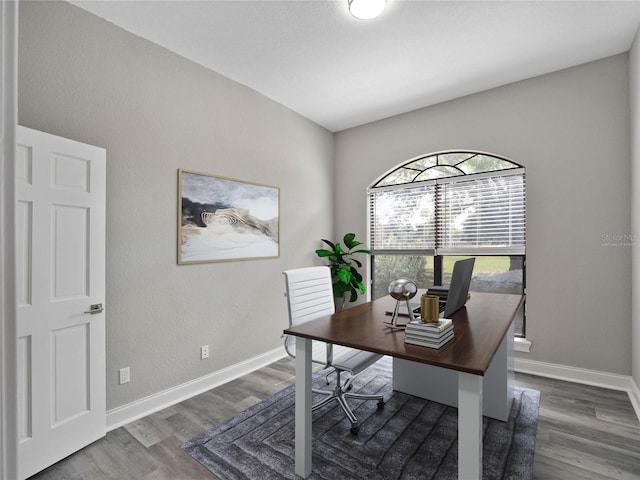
(310, 295)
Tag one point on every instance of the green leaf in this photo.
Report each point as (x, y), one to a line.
(324, 253)
(361, 251)
(339, 289)
(349, 239)
(333, 247)
(354, 295)
(344, 275)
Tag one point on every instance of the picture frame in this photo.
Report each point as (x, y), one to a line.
(222, 219)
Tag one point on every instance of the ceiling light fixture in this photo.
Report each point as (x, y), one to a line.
(366, 9)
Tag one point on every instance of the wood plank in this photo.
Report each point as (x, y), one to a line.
(575, 441)
(176, 463)
(599, 440)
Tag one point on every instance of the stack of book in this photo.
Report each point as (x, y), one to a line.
(438, 291)
(432, 335)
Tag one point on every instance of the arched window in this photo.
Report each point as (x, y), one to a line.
(432, 210)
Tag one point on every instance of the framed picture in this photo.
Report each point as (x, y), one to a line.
(224, 219)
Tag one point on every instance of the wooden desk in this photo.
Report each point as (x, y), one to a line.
(479, 330)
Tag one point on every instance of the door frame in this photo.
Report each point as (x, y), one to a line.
(8, 125)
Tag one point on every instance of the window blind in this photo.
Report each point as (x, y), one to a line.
(476, 214)
(403, 218)
(485, 215)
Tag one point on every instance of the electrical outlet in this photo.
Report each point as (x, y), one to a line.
(125, 375)
(204, 352)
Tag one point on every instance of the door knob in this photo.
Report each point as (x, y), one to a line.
(95, 308)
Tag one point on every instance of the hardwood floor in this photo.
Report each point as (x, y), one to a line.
(583, 433)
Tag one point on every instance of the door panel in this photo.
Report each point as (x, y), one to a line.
(69, 264)
(24, 222)
(24, 371)
(69, 372)
(60, 225)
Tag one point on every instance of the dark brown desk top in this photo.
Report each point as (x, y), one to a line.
(478, 329)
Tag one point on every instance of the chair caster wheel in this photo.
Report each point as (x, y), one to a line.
(355, 430)
(380, 403)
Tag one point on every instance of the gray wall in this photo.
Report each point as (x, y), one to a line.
(570, 129)
(154, 112)
(634, 93)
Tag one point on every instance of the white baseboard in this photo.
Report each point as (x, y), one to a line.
(580, 375)
(120, 416)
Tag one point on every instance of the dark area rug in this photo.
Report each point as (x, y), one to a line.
(410, 438)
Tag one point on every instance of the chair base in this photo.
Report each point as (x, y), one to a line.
(340, 393)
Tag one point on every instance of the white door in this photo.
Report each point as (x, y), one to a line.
(60, 223)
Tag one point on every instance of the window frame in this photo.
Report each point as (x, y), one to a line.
(417, 167)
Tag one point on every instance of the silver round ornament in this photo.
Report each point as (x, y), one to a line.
(403, 289)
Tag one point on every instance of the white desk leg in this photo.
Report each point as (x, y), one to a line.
(469, 426)
(303, 407)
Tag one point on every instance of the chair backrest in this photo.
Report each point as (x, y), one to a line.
(309, 293)
(309, 296)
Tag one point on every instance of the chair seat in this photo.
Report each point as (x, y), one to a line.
(310, 296)
(354, 361)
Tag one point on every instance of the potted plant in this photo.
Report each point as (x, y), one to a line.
(346, 278)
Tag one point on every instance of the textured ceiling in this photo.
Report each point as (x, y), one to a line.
(313, 57)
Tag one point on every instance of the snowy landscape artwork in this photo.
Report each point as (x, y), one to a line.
(223, 219)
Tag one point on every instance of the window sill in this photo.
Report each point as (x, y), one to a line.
(522, 345)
